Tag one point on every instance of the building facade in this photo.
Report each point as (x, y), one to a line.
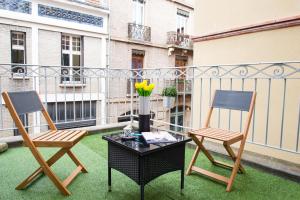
(231, 34)
(149, 34)
(47, 45)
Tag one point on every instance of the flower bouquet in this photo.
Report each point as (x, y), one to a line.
(144, 90)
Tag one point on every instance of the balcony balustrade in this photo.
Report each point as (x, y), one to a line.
(139, 32)
(179, 40)
(108, 94)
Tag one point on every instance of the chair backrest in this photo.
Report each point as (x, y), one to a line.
(20, 103)
(235, 100)
(25, 102)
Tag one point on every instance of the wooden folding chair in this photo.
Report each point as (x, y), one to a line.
(232, 100)
(20, 103)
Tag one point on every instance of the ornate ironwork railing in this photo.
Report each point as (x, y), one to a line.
(139, 32)
(179, 40)
(104, 97)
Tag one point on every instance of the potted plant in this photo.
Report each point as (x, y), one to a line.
(144, 92)
(169, 94)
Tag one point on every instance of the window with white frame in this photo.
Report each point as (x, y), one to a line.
(73, 114)
(71, 46)
(182, 21)
(18, 51)
(138, 11)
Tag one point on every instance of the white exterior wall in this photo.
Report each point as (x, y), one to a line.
(161, 17)
(43, 47)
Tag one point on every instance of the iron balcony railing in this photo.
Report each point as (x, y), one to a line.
(179, 40)
(104, 99)
(72, 75)
(139, 32)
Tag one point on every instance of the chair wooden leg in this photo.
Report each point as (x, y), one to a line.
(236, 167)
(76, 161)
(233, 156)
(194, 158)
(47, 170)
(200, 145)
(34, 176)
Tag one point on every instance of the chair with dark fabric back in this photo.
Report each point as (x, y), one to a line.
(232, 100)
(20, 103)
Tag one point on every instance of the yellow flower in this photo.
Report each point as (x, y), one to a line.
(144, 83)
(152, 85)
(147, 88)
(138, 85)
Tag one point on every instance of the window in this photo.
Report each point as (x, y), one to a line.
(177, 118)
(138, 11)
(24, 119)
(18, 51)
(137, 63)
(70, 112)
(72, 57)
(182, 20)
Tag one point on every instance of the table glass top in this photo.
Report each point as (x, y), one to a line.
(138, 145)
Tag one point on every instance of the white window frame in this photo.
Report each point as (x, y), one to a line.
(139, 18)
(182, 21)
(70, 51)
(18, 47)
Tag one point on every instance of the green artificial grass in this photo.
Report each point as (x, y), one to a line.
(18, 163)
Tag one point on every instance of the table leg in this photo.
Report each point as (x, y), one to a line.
(109, 179)
(182, 181)
(142, 192)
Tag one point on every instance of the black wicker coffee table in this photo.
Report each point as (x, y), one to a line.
(143, 164)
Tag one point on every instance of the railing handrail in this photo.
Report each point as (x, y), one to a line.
(140, 25)
(199, 79)
(154, 68)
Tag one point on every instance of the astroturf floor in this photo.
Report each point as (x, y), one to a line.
(17, 163)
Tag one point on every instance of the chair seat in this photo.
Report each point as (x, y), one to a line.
(218, 134)
(62, 138)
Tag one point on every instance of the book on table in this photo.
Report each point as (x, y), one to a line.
(158, 137)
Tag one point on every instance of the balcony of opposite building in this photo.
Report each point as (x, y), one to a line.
(139, 32)
(179, 40)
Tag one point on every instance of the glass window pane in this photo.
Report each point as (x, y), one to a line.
(76, 60)
(21, 36)
(14, 42)
(60, 112)
(18, 56)
(78, 110)
(66, 60)
(70, 113)
(14, 36)
(138, 12)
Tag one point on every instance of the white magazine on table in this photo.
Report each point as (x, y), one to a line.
(158, 137)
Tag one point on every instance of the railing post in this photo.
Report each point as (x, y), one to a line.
(192, 98)
(131, 95)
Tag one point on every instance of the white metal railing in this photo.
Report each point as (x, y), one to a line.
(104, 98)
